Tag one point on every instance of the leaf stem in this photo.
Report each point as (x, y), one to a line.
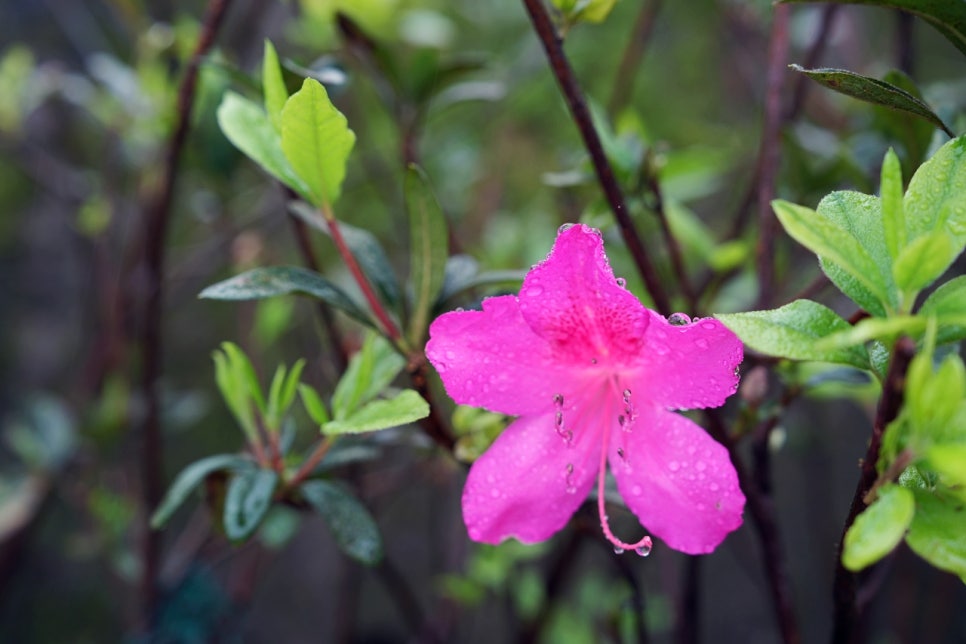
(309, 464)
(564, 73)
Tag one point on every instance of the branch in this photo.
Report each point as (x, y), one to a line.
(846, 610)
(633, 55)
(157, 220)
(553, 46)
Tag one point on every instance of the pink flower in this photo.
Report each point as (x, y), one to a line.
(593, 376)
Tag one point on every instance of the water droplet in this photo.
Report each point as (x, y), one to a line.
(618, 550)
(533, 291)
(674, 466)
(660, 348)
(679, 319)
(593, 361)
(701, 343)
(621, 282)
(564, 228)
(701, 466)
(558, 400)
(571, 489)
(621, 420)
(710, 326)
(451, 355)
(713, 487)
(495, 493)
(620, 452)
(636, 490)
(643, 551)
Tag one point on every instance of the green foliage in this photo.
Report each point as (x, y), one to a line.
(873, 90)
(273, 86)
(370, 371)
(248, 500)
(879, 528)
(354, 529)
(190, 478)
(428, 250)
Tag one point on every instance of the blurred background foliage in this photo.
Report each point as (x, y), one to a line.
(86, 108)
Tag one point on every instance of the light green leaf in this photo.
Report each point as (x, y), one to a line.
(935, 398)
(879, 529)
(873, 329)
(249, 129)
(792, 330)
(873, 90)
(834, 244)
(248, 498)
(317, 141)
(405, 407)
(946, 301)
(936, 199)
(353, 527)
(370, 371)
(428, 250)
(893, 218)
(365, 248)
(190, 478)
(949, 461)
(273, 281)
(313, 405)
(273, 86)
(922, 262)
(597, 10)
(937, 533)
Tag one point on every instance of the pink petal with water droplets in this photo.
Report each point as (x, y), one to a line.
(690, 366)
(677, 480)
(573, 301)
(492, 359)
(522, 486)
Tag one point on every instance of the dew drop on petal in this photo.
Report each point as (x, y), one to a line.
(636, 490)
(495, 493)
(621, 282)
(533, 291)
(710, 326)
(642, 551)
(674, 466)
(565, 228)
(701, 343)
(660, 348)
(618, 550)
(679, 319)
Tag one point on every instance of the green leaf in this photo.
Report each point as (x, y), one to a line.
(273, 86)
(935, 398)
(873, 90)
(947, 300)
(317, 141)
(365, 248)
(290, 387)
(922, 262)
(370, 371)
(937, 533)
(405, 407)
(428, 249)
(190, 478)
(248, 499)
(861, 216)
(249, 129)
(873, 329)
(936, 199)
(273, 281)
(949, 461)
(792, 330)
(879, 529)
(835, 245)
(949, 18)
(313, 405)
(893, 218)
(354, 529)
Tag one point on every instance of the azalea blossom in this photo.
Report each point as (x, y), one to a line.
(594, 378)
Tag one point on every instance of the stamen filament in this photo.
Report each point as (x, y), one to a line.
(641, 547)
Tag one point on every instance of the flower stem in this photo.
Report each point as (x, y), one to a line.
(580, 113)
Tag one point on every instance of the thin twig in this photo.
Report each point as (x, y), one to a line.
(158, 215)
(633, 55)
(762, 511)
(673, 247)
(803, 82)
(564, 73)
(768, 158)
(846, 610)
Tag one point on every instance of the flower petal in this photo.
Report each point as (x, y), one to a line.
(530, 482)
(573, 301)
(492, 359)
(677, 480)
(690, 366)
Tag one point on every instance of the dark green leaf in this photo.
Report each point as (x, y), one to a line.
(879, 529)
(428, 250)
(190, 478)
(353, 527)
(365, 248)
(405, 407)
(792, 330)
(249, 498)
(317, 141)
(873, 90)
(273, 281)
(937, 533)
(249, 129)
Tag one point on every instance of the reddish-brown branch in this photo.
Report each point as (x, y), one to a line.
(846, 609)
(157, 220)
(564, 73)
